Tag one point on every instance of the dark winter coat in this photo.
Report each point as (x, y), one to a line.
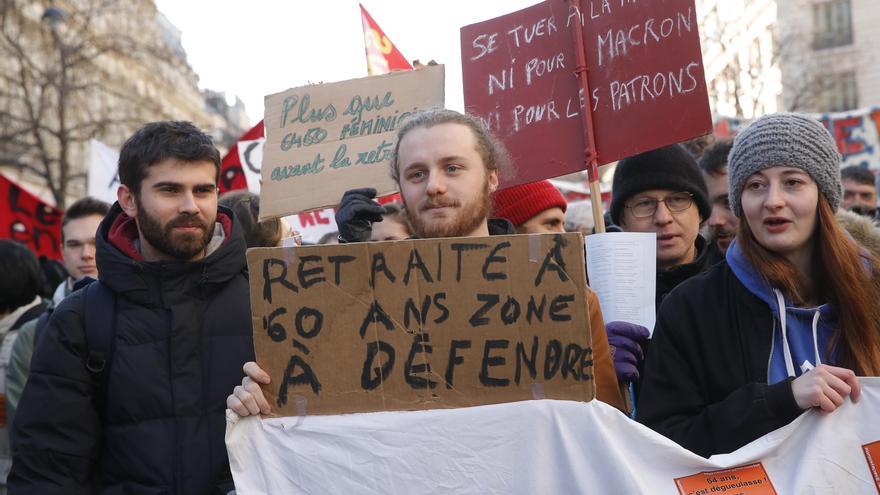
(669, 278)
(705, 381)
(183, 334)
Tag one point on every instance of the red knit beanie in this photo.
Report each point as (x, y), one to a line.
(520, 203)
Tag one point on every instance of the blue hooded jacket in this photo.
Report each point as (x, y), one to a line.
(800, 335)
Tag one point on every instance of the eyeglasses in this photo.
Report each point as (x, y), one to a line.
(646, 207)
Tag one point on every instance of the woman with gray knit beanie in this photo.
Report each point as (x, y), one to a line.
(787, 321)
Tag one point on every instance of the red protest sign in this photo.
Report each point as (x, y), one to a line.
(645, 74)
(27, 219)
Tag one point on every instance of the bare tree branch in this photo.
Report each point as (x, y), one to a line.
(61, 88)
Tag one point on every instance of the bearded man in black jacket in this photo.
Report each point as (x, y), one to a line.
(149, 417)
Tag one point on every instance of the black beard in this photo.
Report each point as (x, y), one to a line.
(186, 247)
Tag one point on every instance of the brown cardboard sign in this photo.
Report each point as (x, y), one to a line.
(324, 139)
(422, 324)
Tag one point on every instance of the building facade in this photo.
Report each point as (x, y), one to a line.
(738, 41)
(85, 69)
(814, 56)
(829, 54)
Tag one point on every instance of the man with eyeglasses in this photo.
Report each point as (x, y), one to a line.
(660, 191)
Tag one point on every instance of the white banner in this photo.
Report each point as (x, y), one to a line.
(103, 179)
(856, 132)
(250, 154)
(313, 225)
(546, 446)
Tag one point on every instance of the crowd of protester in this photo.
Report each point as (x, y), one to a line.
(117, 376)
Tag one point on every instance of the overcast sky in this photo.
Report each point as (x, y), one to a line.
(255, 48)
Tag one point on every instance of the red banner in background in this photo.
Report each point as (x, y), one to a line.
(647, 87)
(382, 56)
(232, 175)
(29, 220)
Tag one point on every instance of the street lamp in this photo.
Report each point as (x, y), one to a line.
(54, 17)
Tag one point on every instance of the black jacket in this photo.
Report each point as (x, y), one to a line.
(669, 278)
(183, 332)
(705, 382)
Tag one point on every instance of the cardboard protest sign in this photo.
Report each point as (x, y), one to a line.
(422, 324)
(324, 139)
(645, 72)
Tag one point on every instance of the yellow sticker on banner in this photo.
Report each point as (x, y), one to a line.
(745, 480)
(872, 455)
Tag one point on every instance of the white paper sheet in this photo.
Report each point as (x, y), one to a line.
(622, 268)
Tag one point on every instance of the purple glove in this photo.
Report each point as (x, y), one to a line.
(624, 339)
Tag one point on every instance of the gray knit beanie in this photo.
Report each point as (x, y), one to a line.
(787, 140)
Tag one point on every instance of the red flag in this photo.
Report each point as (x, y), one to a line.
(382, 56)
(231, 174)
(29, 220)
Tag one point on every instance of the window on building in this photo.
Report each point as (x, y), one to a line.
(832, 24)
(838, 92)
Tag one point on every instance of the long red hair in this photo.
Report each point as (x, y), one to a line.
(841, 279)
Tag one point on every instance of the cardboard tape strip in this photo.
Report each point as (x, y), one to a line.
(538, 391)
(534, 247)
(300, 410)
(289, 253)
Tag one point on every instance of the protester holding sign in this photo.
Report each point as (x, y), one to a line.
(539, 208)
(446, 165)
(660, 191)
(361, 218)
(787, 321)
(663, 191)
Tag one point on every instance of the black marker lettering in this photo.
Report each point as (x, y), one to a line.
(489, 361)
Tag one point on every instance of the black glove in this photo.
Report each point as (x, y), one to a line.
(356, 213)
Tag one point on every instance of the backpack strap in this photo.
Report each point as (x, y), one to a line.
(100, 330)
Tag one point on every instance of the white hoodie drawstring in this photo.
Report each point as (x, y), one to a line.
(789, 365)
(780, 302)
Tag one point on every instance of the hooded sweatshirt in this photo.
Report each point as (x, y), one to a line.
(800, 335)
